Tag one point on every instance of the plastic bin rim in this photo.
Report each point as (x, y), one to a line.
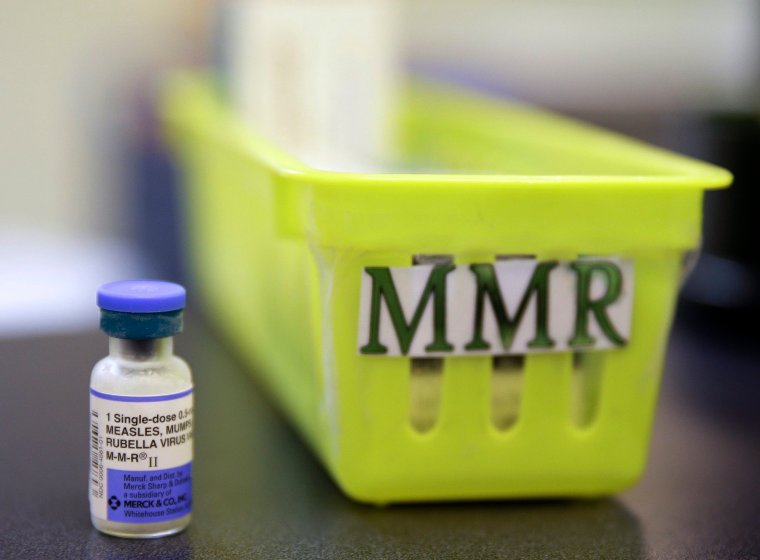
(197, 99)
(306, 175)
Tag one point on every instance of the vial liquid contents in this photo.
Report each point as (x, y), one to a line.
(141, 415)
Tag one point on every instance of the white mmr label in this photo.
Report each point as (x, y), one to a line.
(141, 452)
(514, 306)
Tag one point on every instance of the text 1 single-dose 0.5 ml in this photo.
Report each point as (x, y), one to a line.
(141, 414)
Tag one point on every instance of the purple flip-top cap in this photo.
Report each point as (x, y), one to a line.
(141, 296)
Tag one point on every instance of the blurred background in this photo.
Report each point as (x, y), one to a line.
(77, 86)
(89, 193)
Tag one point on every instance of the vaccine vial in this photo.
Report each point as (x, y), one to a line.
(141, 414)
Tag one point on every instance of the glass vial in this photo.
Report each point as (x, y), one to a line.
(141, 414)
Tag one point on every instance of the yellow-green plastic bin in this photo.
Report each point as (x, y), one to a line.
(279, 249)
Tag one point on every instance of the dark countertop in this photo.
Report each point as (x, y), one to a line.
(259, 493)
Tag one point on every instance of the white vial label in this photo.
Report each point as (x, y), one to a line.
(141, 452)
